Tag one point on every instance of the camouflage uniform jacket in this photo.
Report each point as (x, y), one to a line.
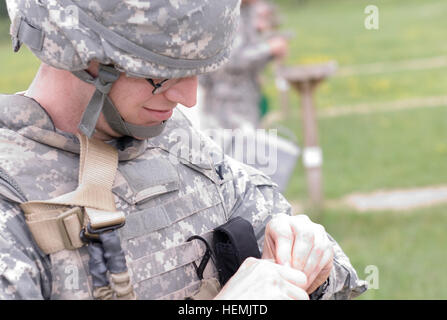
(232, 93)
(166, 195)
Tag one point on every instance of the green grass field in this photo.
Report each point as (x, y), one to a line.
(381, 150)
(407, 248)
(334, 30)
(398, 149)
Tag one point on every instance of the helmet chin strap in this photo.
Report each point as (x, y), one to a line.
(100, 101)
(117, 123)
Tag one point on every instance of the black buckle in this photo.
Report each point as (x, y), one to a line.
(92, 235)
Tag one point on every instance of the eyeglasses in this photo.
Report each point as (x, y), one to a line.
(163, 85)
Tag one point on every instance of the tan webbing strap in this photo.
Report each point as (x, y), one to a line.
(209, 288)
(57, 229)
(56, 223)
(97, 170)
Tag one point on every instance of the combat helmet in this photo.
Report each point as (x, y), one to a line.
(160, 39)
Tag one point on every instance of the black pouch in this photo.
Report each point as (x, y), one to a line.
(234, 242)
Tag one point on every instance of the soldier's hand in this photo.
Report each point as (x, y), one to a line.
(279, 46)
(258, 279)
(297, 242)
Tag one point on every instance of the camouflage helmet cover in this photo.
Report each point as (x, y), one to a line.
(152, 39)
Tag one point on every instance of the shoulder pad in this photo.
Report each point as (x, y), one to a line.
(9, 190)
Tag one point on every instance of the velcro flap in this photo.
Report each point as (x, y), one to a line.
(148, 179)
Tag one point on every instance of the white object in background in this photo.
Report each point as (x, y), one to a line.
(312, 157)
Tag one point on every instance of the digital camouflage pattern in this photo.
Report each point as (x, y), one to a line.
(152, 39)
(232, 94)
(169, 188)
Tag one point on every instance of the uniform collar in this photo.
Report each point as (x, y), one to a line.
(27, 117)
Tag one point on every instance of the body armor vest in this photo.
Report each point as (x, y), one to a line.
(167, 188)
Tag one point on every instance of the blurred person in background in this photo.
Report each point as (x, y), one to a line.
(232, 94)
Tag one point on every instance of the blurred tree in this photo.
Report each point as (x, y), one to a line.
(3, 11)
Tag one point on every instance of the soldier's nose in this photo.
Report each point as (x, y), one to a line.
(183, 92)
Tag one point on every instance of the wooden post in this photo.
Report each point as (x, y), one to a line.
(305, 80)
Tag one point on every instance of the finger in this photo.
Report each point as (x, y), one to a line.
(321, 245)
(293, 292)
(302, 246)
(303, 240)
(293, 276)
(313, 267)
(326, 264)
(280, 232)
(327, 257)
(283, 250)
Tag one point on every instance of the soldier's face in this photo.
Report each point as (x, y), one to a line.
(137, 105)
(135, 102)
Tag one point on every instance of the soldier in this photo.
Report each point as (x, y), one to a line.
(94, 142)
(232, 95)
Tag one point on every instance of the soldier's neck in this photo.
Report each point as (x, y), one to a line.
(62, 95)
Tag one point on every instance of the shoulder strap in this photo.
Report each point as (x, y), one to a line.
(55, 228)
(57, 223)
